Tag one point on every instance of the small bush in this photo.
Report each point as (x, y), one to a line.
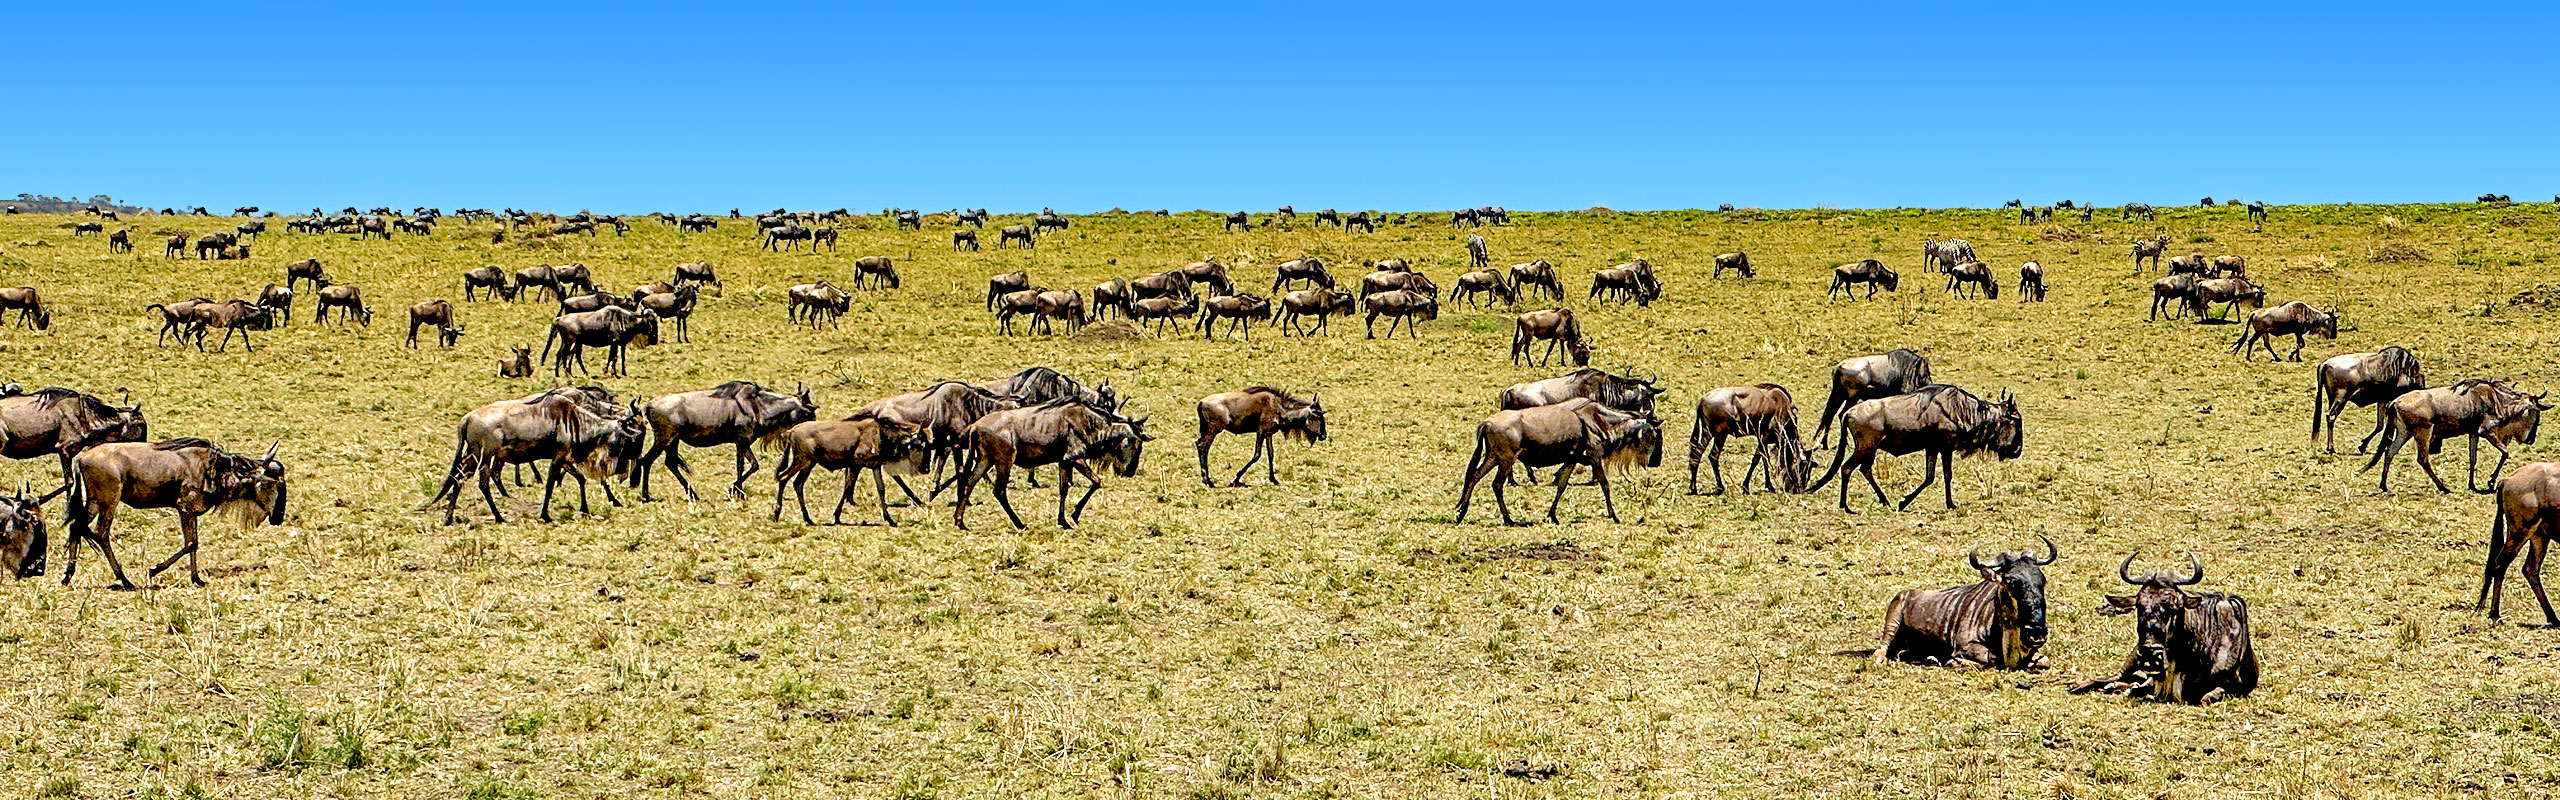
(2394, 253)
(2388, 225)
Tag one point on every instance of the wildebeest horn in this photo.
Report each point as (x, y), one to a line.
(49, 496)
(2196, 563)
(271, 450)
(1973, 558)
(2124, 571)
(2052, 553)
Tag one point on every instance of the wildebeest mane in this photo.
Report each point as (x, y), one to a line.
(1286, 399)
(737, 390)
(1914, 369)
(183, 443)
(96, 409)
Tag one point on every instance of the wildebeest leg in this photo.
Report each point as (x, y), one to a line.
(912, 499)
(1373, 325)
(1500, 500)
(2532, 577)
(2492, 486)
(676, 469)
(2379, 422)
(2427, 446)
(1004, 493)
(187, 550)
(581, 477)
(1947, 464)
(485, 479)
(550, 482)
(1868, 469)
(1208, 435)
(1067, 477)
(879, 487)
(2297, 347)
(1601, 473)
(1928, 475)
(747, 465)
(2503, 546)
(106, 519)
(1261, 445)
(1476, 468)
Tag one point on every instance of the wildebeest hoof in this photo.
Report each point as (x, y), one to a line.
(125, 586)
(196, 579)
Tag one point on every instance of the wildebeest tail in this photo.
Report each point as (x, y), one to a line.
(1474, 462)
(2319, 397)
(2394, 434)
(453, 474)
(1839, 455)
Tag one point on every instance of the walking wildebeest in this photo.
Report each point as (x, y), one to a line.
(188, 476)
(343, 296)
(518, 366)
(2230, 267)
(2177, 295)
(1538, 274)
(1573, 433)
(177, 319)
(676, 307)
(1386, 281)
(1322, 304)
(941, 412)
(825, 235)
(2528, 511)
(1063, 304)
(863, 441)
(29, 305)
(1169, 283)
(2031, 282)
(1484, 282)
(2231, 292)
(787, 236)
(1871, 272)
(1402, 306)
(2296, 318)
(2364, 379)
(1939, 422)
(1014, 233)
(493, 278)
(1971, 274)
(1264, 412)
(738, 412)
(580, 431)
(1622, 392)
(1064, 432)
(1161, 310)
(2481, 409)
(1555, 326)
(545, 276)
(1302, 269)
(2151, 249)
(231, 316)
(818, 303)
(1237, 310)
(964, 240)
(61, 422)
(1997, 623)
(1017, 304)
(1209, 273)
(869, 270)
(437, 314)
(1005, 284)
(697, 272)
(613, 327)
(2188, 648)
(1738, 261)
(1767, 414)
(1864, 378)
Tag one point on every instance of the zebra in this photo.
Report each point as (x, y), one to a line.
(1939, 255)
(1478, 255)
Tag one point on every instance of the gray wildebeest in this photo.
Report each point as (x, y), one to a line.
(579, 430)
(2188, 647)
(697, 272)
(1996, 623)
(2363, 379)
(1738, 261)
(737, 413)
(1938, 422)
(1539, 274)
(188, 476)
(871, 270)
(1846, 277)
(1940, 255)
(2175, 296)
(2191, 264)
(61, 422)
(1405, 306)
(1322, 304)
(1064, 432)
(2528, 516)
(437, 314)
(964, 240)
(1000, 285)
(942, 413)
(864, 441)
(2296, 318)
(1264, 412)
(1489, 283)
(1573, 433)
(1767, 414)
(345, 297)
(2031, 282)
(1864, 378)
(2480, 409)
(2151, 249)
(493, 278)
(1209, 273)
(1301, 269)
(1238, 221)
(2143, 210)
(1632, 281)
(1555, 326)
(1479, 254)
(1014, 233)
(28, 304)
(1237, 310)
(818, 304)
(613, 327)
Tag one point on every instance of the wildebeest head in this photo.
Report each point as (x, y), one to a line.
(2022, 574)
(22, 533)
(1118, 448)
(250, 488)
(2157, 606)
(1307, 422)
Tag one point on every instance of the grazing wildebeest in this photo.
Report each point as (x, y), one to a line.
(1014, 233)
(1539, 274)
(2295, 318)
(2191, 264)
(1871, 272)
(1872, 377)
(1322, 304)
(209, 245)
(1328, 216)
(975, 217)
(869, 270)
(1971, 275)
(911, 220)
(818, 303)
(613, 327)
(1939, 422)
(2229, 291)
(1237, 310)
(1169, 283)
(1738, 261)
(437, 314)
(188, 476)
(1063, 304)
(518, 366)
(2142, 210)
(2151, 249)
(416, 226)
(1302, 269)
(1385, 281)
(863, 441)
(546, 276)
(738, 412)
(175, 246)
(28, 304)
(1016, 304)
(177, 319)
(2188, 648)
(2258, 211)
(1406, 306)
(697, 223)
(492, 278)
(1479, 256)
(1624, 282)
(1556, 327)
(120, 241)
(2364, 379)
(596, 300)
(1209, 273)
(1264, 412)
(1464, 217)
(1238, 220)
(344, 296)
(2481, 409)
(231, 316)
(2031, 282)
(1391, 265)
(1767, 414)
(1114, 294)
(2230, 266)
(85, 228)
(2528, 516)
(1942, 255)
(579, 430)
(1064, 432)
(1573, 433)
(23, 538)
(1485, 282)
(824, 235)
(1161, 310)
(2176, 294)
(697, 272)
(1366, 222)
(1997, 623)
(61, 422)
(676, 307)
(1000, 285)
(1047, 222)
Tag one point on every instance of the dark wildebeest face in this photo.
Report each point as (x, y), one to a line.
(2008, 432)
(1309, 420)
(2021, 574)
(2159, 606)
(1118, 449)
(22, 533)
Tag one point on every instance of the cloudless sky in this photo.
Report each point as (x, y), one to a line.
(642, 106)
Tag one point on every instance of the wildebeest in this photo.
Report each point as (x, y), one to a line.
(2177, 295)
(2230, 266)
(1322, 304)
(2031, 282)
(175, 246)
(1238, 220)
(863, 441)
(1738, 261)
(1391, 265)
(1209, 273)
(1064, 432)
(188, 476)
(231, 316)
(1362, 220)
(613, 327)
(738, 412)
(1169, 283)
(85, 228)
(120, 241)
(675, 307)
(545, 276)
(1386, 281)
(1063, 304)
(1555, 326)
(825, 235)
(1971, 274)
(2143, 210)
(62, 422)
(941, 413)
(2231, 292)
(492, 278)
(1997, 623)
(1264, 412)
(1482, 282)
(910, 220)
(1114, 294)
(2188, 648)
(2151, 249)
(2191, 264)
(2363, 379)
(347, 298)
(2258, 212)
(210, 245)
(1767, 414)
(596, 300)
(697, 272)
(1538, 274)
(437, 314)
(1573, 433)
(869, 270)
(519, 365)
(28, 304)
(1047, 222)
(1871, 272)
(1622, 392)
(2528, 511)
(1939, 422)
(1162, 309)
(2481, 409)
(1872, 377)
(1624, 282)
(1301, 269)
(818, 303)
(581, 431)
(787, 236)
(2296, 318)
(23, 537)
(1406, 306)
(1941, 255)
(1005, 284)
(177, 319)
(1017, 304)
(1012, 234)
(964, 240)
(420, 227)
(1237, 310)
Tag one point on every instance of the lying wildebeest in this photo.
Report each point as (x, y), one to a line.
(964, 240)
(1971, 274)
(818, 303)
(1005, 284)
(1017, 304)
(437, 314)
(1064, 432)
(1738, 261)
(864, 441)
(347, 298)
(1385, 281)
(869, 270)
(676, 307)
(1237, 310)
(231, 316)
(2142, 210)
(1479, 254)
(1114, 294)
(2528, 510)
(1012, 234)
(1301, 269)
(1573, 433)
(518, 366)
(2151, 249)
(2364, 379)
(1938, 255)
(1864, 378)
(23, 537)
(596, 300)
(29, 305)
(1322, 304)
(613, 327)
(61, 422)
(188, 476)
(1539, 274)
(493, 278)
(2031, 282)
(1209, 273)
(1482, 282)
(1939, 422)
(1406, 306)
(232, 253)
(738, 412)
(1555, 326)
(2296, 318)
(1767, 414)
(177, 319)
(2230, 267)
(697, 272)
(1871, 272)
(1624, 282)
(1997, 623)
(2480, 409)
(2176, 295)
(1169, 283)
(579, 430)
(1264, 412)
(1063, 304)
(1161, 310)
(2188, 648)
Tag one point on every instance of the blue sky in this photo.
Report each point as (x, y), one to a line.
(645, 107)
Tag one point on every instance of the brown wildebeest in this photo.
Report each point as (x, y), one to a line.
(1573, 433)
(1264, 412)
(229, 315)
(492, 278)
(1386, 281)
(1303, 269)
(2230, 267)
(1005, 284)
(1864, 378)
(580, 431)
(1622, 392)
(1016, 304)
(1406, 306)
(2176, 295)
(2031, 282)
(437, 314)
(1366, 222)
(1626, 282)
(1485, 282)
(1160, 310)
(545, 276)
(868, 270)
(2151, 249)
(942, 412)
(596, 300)
(572, 275)
(697, 272)
(177, 319)
(1063, 432)
(2364, 379)
(964, 240)
(1846, 277)
(1114, 294)
(1738, 261)
(1012, 234)
(188, 476)
(613, 328)
(235, 253)
(1939, 422)
(1538, 274)
(28, 304)
(864, 441)
(2188, 648)
(1767, 414)
(1169, 283)
(23, 537)
(2229, 291)
(1063, 304)
(1238, 310)
(519, 366)
(344, 296)
(1322, 304)
(2296, 318)
(1209, 273)
(120, 241)
(1391, 265)
(825, 235)
(643, 291)
(1973, 274)
(1998, 623)
(738, 412)
(2191, 264)
(374, 226)
(675, 306)
(2528, 511)
(1555, 326)
(210, 245)
(61, 422)
(175, 246)
(818, 303)
(2480, 409)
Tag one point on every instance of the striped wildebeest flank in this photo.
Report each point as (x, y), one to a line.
(817, 304)
(1209, 273)
(1573, 433)
(2362, 379)
(614, 328)
(436, 314)
(1365, 221)
(2142, 210)
(188, 476)
(1939, 255)
(580, 430)
(1114, 294)
(1939, 422)
(2190, 648)
(1004, 284)
(1036, 385)
(29, 305)
(2150, 249)
(2528, 510)
(232, 316)
(2176, 295)
(1048, 221)
(1238, 221)
(2296, 318)
(1556, 327)
(737, 413)
(1405, 306)
(1632, 281)
(1490, 283)
(1301, 269)
(1767, 414)
(1538, 274)
(2258, 211)
(1996, 623)
(1160, 311)
(2191, 264)
(518, 365)
(2031, 282)
(964, 240)
(345, 297)
(1063, 304)
(1072, 435)
(1322, 304)
(673, 306)
(62, 422)
(864, 441)
(492, 278)
(1264, 412)
(1972, 275)
(1017, 304)
(1847, 277)
(1169, 283)
(1738, 261)
(2481, 409)
(879, 271)
(23, 538)
(2231, 292)
(942, 412)
(1238, 310)
(1479, 253)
